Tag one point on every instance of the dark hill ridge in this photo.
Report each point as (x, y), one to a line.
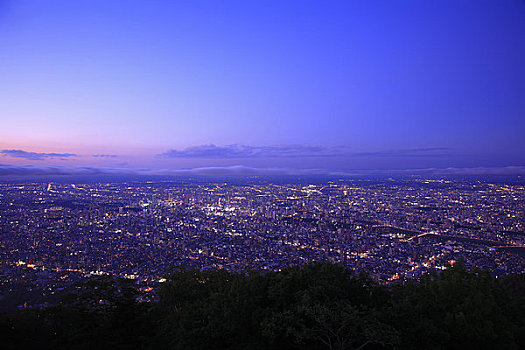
(316, 306)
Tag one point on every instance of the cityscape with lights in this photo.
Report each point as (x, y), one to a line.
(55, 234)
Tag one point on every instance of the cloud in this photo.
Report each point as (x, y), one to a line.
(57, 170)
(509, 170)
(31, 170)
(291, 151)
(411, 152)
(243, 170)
(104, 155)
(18, 153)
(244, 151)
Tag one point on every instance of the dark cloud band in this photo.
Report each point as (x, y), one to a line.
(104, 155)
(18, 153)
(291, 151)
(31, 170)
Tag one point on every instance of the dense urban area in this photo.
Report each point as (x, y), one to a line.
(54, 234)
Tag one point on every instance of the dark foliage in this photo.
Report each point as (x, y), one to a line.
(319, 306)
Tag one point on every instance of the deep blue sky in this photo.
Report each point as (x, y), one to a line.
(335, 85)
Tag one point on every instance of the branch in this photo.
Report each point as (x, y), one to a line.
(369, 342)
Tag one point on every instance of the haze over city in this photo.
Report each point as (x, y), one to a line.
(262, 87)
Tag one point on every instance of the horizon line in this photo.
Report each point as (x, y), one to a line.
(241, 170)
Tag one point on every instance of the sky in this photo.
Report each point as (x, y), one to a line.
(333, 86)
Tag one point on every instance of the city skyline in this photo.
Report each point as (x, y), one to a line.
(262, 87)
